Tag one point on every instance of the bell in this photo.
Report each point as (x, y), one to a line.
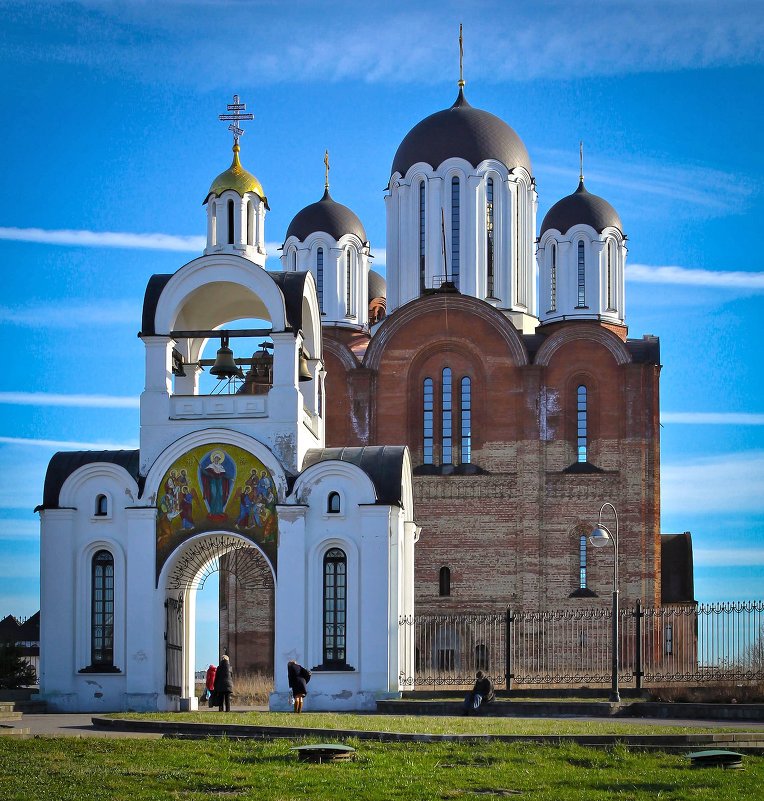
(304, 372)
(225, 366)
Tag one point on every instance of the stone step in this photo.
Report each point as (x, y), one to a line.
(9, 715)
(14, 731)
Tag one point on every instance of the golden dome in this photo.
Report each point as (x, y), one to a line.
(237, 179)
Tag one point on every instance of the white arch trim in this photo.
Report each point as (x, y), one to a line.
(333, 468)
(89, 472)
(591, 333)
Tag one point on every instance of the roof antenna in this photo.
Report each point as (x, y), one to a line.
(581, 160)
(326, 170)
(461, 57)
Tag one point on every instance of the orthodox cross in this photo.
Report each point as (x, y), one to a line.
(581, 160)
(236, 116)
(326, 170)
(461, 57)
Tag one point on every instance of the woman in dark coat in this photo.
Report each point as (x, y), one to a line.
(224, 683)
(298, 683)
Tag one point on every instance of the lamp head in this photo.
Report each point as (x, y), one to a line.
(600, 537)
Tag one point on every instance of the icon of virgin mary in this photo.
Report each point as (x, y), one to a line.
(216, 483)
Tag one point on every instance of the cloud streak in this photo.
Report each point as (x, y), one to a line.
(105, 239)
(68, 445)
(81, 401)
(728, 557)
(713, 418)
(684, 276)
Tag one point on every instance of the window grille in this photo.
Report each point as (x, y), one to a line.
(422, 231)
(466, 420)
(348, 284)
(489, 237)
(455, 231)
(427, 422)
(582, 562)
(102, 610)
(320, 277)
(447, 418)
(335, 612)
(581, 275)
(582, 438)
(553, 289)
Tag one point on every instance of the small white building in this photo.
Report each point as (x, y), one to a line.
(236, 477)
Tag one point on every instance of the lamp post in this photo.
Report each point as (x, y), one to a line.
(600, 538)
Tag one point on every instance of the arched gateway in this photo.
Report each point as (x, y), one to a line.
(232, 475)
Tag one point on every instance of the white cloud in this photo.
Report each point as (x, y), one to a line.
(713, 418)
(65, 315)
(51, 399)
(752, 281)
(20, 567)
(714, 484)
(19, 530)
(728, 557)
(65, 445)
(105, 239)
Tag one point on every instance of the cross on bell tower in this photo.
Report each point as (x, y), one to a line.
(237, 113)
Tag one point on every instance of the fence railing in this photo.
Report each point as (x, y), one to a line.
(657, 646)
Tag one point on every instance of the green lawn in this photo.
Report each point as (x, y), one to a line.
(425, 724)
(65, 769)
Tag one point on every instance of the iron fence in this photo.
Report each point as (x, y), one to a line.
(657, 646)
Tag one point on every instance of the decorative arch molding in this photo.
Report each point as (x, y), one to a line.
(577, 332)
(90, 472)
(229, 269)
(304, 486)
(418, 307)
(342, 353)
(223, 436)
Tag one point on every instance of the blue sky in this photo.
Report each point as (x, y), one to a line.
(111, 139)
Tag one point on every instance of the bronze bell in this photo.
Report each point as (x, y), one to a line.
(304, 372)
(262, 366)
(225, 365)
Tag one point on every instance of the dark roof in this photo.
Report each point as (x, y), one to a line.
(154, 289)
(30, 628)
(677, 584)
(646, 350)
(9, 629)
(581, 208)
(326, 215)
(377, 286)
(292, 286)
(64, 463)
(464, 131)
(383, 464)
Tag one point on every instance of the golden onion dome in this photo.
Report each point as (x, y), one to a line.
(238, 179)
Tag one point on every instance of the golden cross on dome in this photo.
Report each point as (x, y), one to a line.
(236, 115)
(581, 161)
(326, 171)
(461, 56)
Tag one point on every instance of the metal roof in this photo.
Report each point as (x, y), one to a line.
(377, 286)
(326, 215)
(581, 208)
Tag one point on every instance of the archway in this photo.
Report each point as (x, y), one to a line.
(243, 569)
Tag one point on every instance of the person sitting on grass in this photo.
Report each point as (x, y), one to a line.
(481, 693)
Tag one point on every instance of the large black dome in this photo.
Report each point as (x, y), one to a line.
(581, 207)
(326, 215)
(464, 131)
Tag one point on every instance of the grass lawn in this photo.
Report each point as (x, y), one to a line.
(84, 769)
(425, 724)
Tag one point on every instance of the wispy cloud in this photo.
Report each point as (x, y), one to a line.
(714, 484)
(68, 445)
(19, 529)
(105, 239)
(82, 401)
(713, 418)
(728, 557)
(73, 315)
(644, 273)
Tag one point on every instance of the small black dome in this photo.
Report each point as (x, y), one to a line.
(377, 286)
(327, 215)
(581, 208)
(464, 131)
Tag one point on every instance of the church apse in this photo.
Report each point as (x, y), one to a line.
(216, 487)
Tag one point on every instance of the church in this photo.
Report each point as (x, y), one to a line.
(440, 439)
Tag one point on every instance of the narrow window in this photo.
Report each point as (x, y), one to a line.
(421, 238)
(581, 442)
(214, 232)
(293, 258)
(581, 275)
(582, 562)
(610, 264)
(320, 277)
(553, 289)
(455, 231)
(444, 582)
(489, 237)
(466, 420)
(348, 285)
(102, 610)
(250, 223)
(481, 657)
(518, 240)
(230, 222)
(668, 640)
(446, 454)
(427, 421)
(102, 506)
(333, 503)
(335, 597)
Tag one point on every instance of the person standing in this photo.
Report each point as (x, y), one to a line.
(298, 683)
(223, 684)
(209, 681)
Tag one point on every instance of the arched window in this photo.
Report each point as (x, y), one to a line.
(455, 231)
(610, 266)
(335, 612)
(102, 610)
(581, 275)
(489, 237)
(333, 503)
(427, 421)
(293, 258)
(320, 277)
(102, 506)
(518, 239)
(553, 280)
(250, 223)
(348, 284)
(444, 582)
(582, 562)
(214, 223)
(230, 222)
(582, 436)
(466, 420)
(447, 419)
(422, 229)
(481, 657)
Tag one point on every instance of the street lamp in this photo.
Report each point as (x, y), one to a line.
(600, 538)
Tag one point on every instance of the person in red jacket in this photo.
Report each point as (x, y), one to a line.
(209, 681)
